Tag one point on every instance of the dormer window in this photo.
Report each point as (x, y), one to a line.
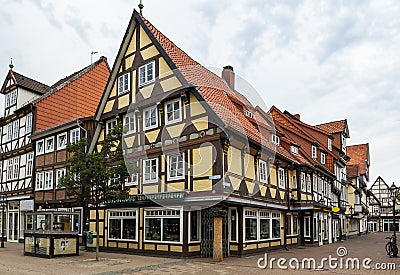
(11, 98)
(294, 149)
(275, 140)
(314, 152)
(123, 84)
(329, 144)
(146, 73)
(323, 158)
(249, 114)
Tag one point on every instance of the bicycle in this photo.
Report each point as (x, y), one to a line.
(391, 247)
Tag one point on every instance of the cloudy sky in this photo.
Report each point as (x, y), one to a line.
(327, 60)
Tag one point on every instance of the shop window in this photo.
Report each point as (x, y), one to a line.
(276, 225)
(163, 225)
(265, 225)
(233, 218)
(122, 225)
(307, 227)
(195, 225)
(250, 225)
(292, 223)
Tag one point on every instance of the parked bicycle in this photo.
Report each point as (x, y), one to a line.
(391, 247)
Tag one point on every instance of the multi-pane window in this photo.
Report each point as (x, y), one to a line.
(10, 164)
(48, 183)
(15, 128)
(29, 123)
(9, 131)
(175, 164)
(294, 149)
(281, 175)
(323, 158)
(261, 225)
(122, 224)
(275, 140)
(308, 181)
(265, 225)
(39, 147)
(49, 144)
(375, 209)
(123, 84)
(29, 164)
(329, 144)
(150, 118)
(262, 171)
(194, 226)
(39, 181)
(314, 152)
(129, 123)
(303, 182)
(173, 111)
(294, 182)
(162, 225)
(11, 98)
(75, 135)
(146, 73)
(59, 174)
(61, 141)
(292, 224)
(315, 183)
(251, 224)
(134, 177)
(150, 170)
(110, 125)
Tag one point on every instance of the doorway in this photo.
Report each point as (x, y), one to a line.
(12, 226)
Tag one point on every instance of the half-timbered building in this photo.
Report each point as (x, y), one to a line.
(16, 150)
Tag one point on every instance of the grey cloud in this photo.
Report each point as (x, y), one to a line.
(48, 10)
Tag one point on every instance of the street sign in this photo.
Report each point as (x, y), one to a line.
(397, 207)
(214, 177)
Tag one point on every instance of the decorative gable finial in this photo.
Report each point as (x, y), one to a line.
(11, 65)
(141, 6)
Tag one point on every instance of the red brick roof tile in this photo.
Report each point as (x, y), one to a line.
(333, 127)
(358, 156)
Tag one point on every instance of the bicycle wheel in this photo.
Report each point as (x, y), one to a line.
(387, 247)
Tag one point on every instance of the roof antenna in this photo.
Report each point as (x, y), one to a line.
(141, 6)
(11, 65)
(91, 56)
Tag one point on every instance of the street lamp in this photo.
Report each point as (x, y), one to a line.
(394, 193)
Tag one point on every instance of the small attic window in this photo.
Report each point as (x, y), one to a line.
(249, 114)
(294, 149)
(275, 140)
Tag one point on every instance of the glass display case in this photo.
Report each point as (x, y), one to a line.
(51, 234)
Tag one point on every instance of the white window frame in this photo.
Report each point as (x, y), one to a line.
(13, 96)
(249, 114)
(8, 100)
(294, 182)
(75, 135)
(303, 185)
(133, 180)
(330, 144)
(292, 222)
(151, 180)
(262, 171)
(16, 168)
(39, 181)
(281, 178)
(275, 140)
(129, 124)
(314, 152)
(48, 180)
(308, 183)
(15, 129)
(323, 158)
(145, 67)
(29, 123)
(198, 227)
(174, 120)
(162, 217)
(40, 149)
(64, 145)
(294, 149)
(268, 215)
(124, 84)
(236, 223)
(10, 169)
(110, 124)
(59, 174)
(9, 131)
(51, 149)
(29, 164)
(307, 220)
(123, 217)
(150, 109)
(169, 177)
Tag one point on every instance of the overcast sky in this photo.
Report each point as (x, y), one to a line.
(327, 60)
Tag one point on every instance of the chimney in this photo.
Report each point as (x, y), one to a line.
(297, 116)
(229, 76)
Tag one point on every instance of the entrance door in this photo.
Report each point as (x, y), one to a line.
(12, 229)
(320, 236)
(207, 232)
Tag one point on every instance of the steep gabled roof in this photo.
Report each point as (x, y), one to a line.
(359, 155)
(73, 97)
(352, 170)
(334, 127)
(26, 82)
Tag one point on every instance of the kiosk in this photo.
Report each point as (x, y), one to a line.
(51, 234)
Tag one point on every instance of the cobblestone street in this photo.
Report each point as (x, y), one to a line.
(370, 246)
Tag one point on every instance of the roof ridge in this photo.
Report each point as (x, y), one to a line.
(31, 79)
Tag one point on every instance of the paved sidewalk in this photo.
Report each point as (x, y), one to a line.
(371, 246)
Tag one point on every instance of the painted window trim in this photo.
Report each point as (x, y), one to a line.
(113, 122)
(64, 172)
(237, 224)
(260, 164)
(77, 130)
(158, 208)
(124, 91)
(199, 225)
(314, 152)
(309, 226)
(41, 152)
(51, 180)
(146, 128)
(281, 184)
(169, 178)
(130, 117)
(29, 163)
(259, 218)
(52, 148)
(144, 171)
(136, 217)
(177, 120)
(141, 84)
(28, 124)
(39, 179)
(58, 141)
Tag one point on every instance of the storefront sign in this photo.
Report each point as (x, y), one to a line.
(26, 205)
(148, 197)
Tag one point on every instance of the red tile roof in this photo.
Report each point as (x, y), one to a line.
(76, 96)
(352, 170)
(26, 82)
(333, 127)
(359, 155)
